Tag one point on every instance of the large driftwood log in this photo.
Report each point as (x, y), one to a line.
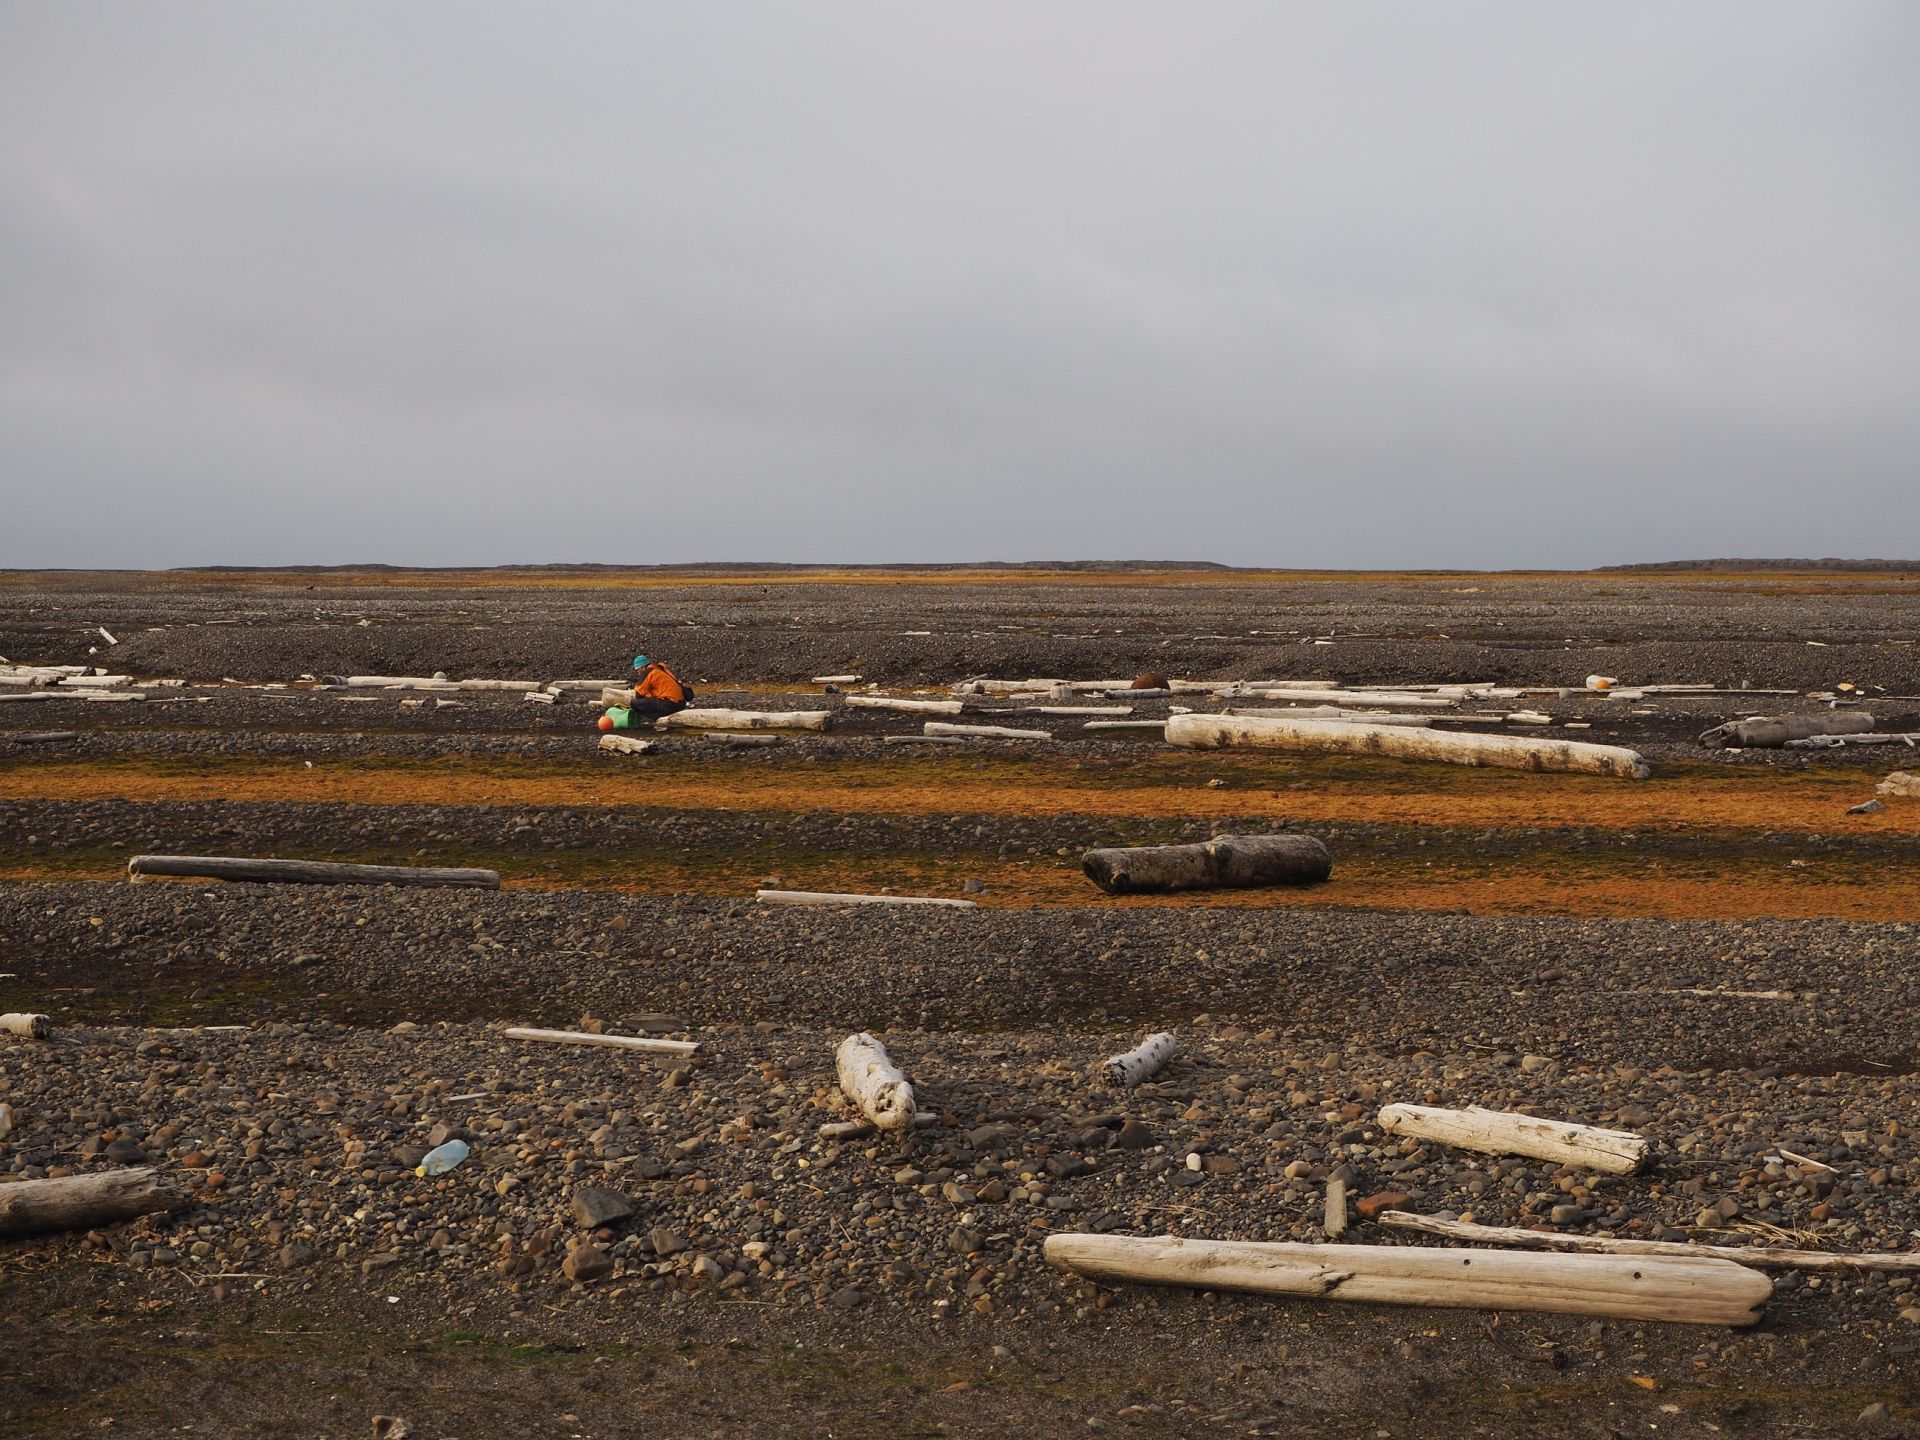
(870, 1079)
(1224, 862)
(307, 872)
(82, 1202)
(1130, 1067)
(984, 732)
(1769, 732)
(824, 897)
(1754, 1257)
(905, 707)
(612, 1042)
(746, 720)
(1501, 1132)
(1692, 1291)
(1332, 737)
(28, 1026)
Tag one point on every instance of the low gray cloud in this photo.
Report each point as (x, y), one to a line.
(1358, 284)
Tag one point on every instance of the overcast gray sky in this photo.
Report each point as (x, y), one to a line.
(1342, 284)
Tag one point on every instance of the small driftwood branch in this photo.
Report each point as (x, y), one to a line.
(614, 1042)
(825, 897)
(853, 1129)
(984, 732)
(1501, 1132)
(869, 1078)
(1693, 1290)
(1755, 1257)
(306, 872)
(625, 745)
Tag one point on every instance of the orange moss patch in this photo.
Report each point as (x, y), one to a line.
(1572, 884)
(1159, 784)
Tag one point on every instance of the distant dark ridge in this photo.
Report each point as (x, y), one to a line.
(1862, 566)
(727, 567)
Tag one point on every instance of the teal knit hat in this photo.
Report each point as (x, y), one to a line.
(639, 662)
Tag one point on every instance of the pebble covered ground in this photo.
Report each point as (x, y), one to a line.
(634, 1235)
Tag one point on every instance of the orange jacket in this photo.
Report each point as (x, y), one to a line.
(658, 683)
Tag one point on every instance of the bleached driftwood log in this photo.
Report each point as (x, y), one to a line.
(836, 679)
(869, 1078)
(307, 872)
(1076, 710)
(27, 1026)
(1689, 1291)
(1334, 712)
(1501, 1132)
(1470, 748)
(400, 682)
(83, 1202)
(1125, 725)
(1909, 738)
(984, 732)
(496, 684)
(1769, 732)
(1405, 699)
(746, 720)
(1130, 1067)
(1529, 717)
(615, 1042)
(1754, 1257)
(1224, 862)
(96, 682)
(903, 706)
(625, 744)
(912, 739)
(825, 897)
(738, 742)
(542, 697)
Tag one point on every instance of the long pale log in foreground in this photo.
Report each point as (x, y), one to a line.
(82, 1202)
(28, 1027)
(1130, 1067)
(1329, 737)
(1224, 862)
(307, 872)
(1772, 731)
(825, 897)
(1754, 1257)
(746, 720)
(613, 1042)
(1688, 1291)
(984, 732)
(870, 1079)
(1501, 1132)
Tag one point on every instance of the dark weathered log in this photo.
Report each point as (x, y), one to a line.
(44, 737)
(1769, 732)
(307, 872)
(1224, 862)
(81, 1202)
